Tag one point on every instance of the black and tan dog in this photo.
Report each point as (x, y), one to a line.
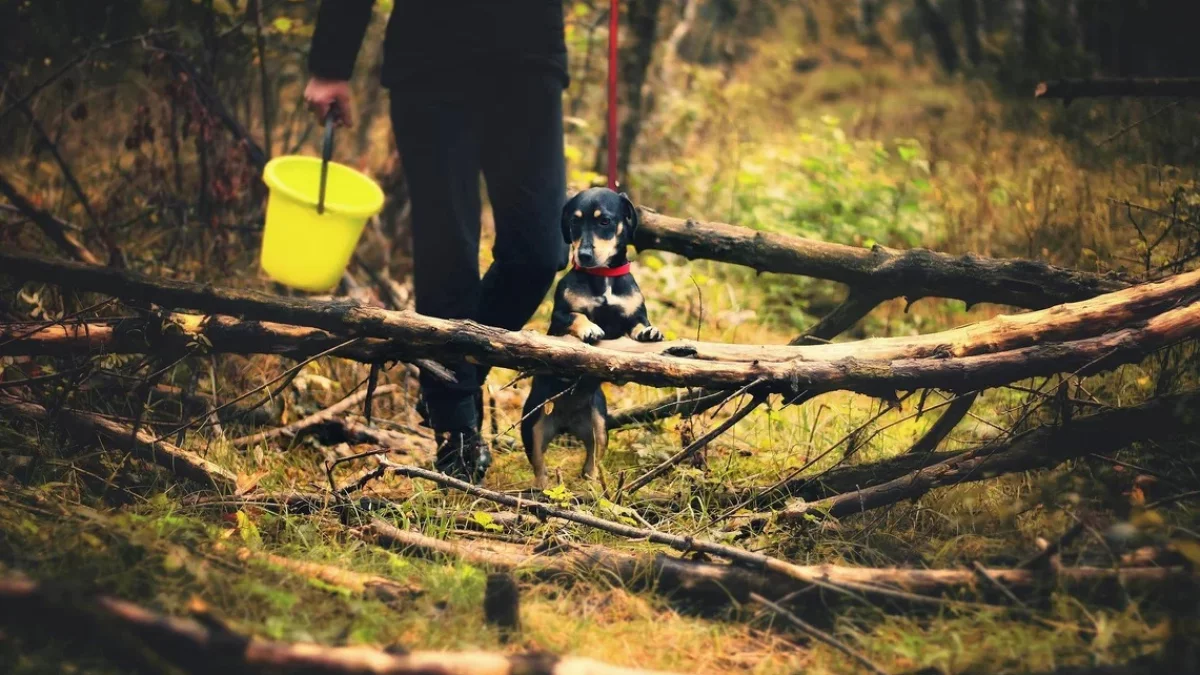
(597, 299)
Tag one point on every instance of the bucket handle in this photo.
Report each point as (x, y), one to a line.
(326, 154)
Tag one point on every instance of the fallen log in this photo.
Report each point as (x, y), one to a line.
(720, 584)
(871, 366)
(177, 331)
(880, 272)
(1119, 87)
(1160, 418)
(178, 461)
(209, 647)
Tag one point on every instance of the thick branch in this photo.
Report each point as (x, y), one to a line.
(1131, 87)
(1041, 448)
(210, 647)
(174, 459)
(1053, 338)
(223, 335)
(855, 307)
(914, 274)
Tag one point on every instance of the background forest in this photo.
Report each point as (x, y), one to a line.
(137, 130)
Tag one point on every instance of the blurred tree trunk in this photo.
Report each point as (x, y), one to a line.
(868, 14)
(634, 62)
(969, 9)
(1017, 20)
(1032, 20)
(939, 32)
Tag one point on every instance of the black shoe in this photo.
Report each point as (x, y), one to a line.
(463, 455)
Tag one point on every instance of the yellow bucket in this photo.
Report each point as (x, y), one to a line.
(304, 248)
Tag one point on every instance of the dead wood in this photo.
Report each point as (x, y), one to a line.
(208, 647)
(1120, 87)
(719, 584)
(176, 331)
(180, 462)
(907, 585)
(356, 582)
(55, 230)
(833, 482)
(1066, 338)
(1163, 417)
(330, 413)
(818, 634)
(954, 413)
(186, 402)
(693, 447)
(885, 273)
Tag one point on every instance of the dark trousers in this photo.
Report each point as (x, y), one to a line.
(510, 130)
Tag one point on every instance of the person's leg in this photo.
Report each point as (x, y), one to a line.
(439, 149)
(521, 142)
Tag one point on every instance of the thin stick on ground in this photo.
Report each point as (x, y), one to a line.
(178, 461)
(696, 445)
(818, 634)
(312, 420)
(680, 543)
(290, 372)
(954, 414)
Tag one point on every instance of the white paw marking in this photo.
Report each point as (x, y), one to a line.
(649, 334)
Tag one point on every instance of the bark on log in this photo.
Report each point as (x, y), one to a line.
(870, 366)
(718, 584)
(176, 331)
(206, 648)
(891, 273)
(1045, 447)
(178, 461)
(1128, 87)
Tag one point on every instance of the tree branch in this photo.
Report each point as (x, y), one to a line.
(178, 461)
(1044, 447)
(1066, 338)
(211, 647)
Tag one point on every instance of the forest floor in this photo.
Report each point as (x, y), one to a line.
(901, 157)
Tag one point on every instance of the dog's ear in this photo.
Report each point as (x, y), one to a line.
(631, 215)
(567, 213)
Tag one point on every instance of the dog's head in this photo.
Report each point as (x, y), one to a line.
(599, 224)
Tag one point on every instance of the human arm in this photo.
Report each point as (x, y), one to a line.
(337, 38)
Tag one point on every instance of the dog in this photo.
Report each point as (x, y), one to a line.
(597, 299)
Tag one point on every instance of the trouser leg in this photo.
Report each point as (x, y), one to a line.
(521, 153)
(438, 145)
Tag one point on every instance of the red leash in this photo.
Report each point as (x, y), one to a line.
(614, 27)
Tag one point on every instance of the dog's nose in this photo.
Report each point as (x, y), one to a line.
(586, 258)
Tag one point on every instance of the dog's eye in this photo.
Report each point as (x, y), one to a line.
(605, 221)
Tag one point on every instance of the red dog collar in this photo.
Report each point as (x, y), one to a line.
(605, 271)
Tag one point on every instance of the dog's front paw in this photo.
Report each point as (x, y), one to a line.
(647, 334)
(591, 333)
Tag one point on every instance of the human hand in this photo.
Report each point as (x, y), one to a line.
(321, 94)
